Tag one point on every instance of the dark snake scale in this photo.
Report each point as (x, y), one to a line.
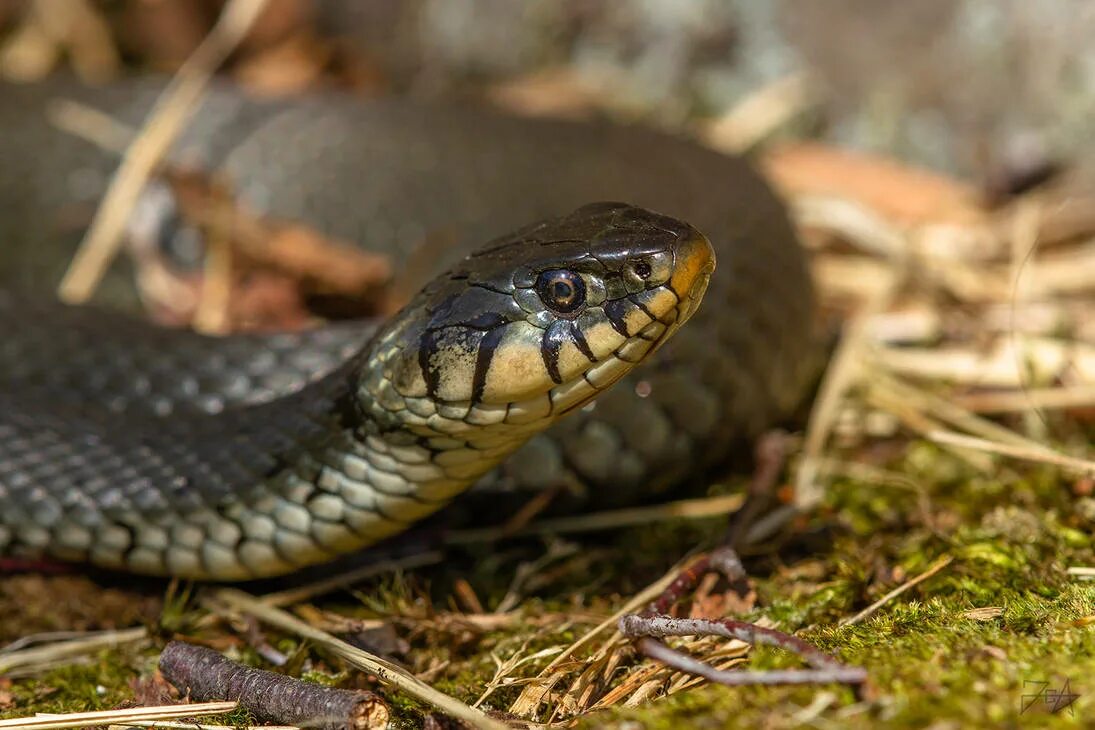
(166, 452)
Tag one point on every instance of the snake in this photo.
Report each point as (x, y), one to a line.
(546, 350)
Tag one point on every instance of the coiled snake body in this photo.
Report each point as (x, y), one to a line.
(169, 453)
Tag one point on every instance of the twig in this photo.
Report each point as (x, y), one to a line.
(204, 674)
(104, 717)
(646, 628)
(837, 673)
(935, 568)
(167, 117)
(386, 671)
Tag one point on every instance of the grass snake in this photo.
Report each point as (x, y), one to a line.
(166, 452)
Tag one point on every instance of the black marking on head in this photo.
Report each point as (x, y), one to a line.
(487, 347)
(555, 335)
(641, 306)
(428, 347)
(616, 311)
(579, 338)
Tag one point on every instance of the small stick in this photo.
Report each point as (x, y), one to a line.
(646, 628)
(204, 674)
(738, 678)
(386, 671)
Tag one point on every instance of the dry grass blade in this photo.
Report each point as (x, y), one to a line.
(89, 123)
(174, 107)
(49, 655)
(754, 119)
(175, 725)
(308, 591)
(1071, 396)
(607, 520)
(106, 717)
(1039, 453)
(912, 582)
(386, 671)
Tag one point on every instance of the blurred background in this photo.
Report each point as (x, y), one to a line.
(974, 87)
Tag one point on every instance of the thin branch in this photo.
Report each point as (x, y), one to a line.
(736, 678)
(204, 674)
(386, 671)
(645, 630)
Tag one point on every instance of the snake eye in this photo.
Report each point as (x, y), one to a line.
(561, 290)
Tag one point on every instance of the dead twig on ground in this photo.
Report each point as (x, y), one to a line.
(386, 671)
(646, 628)
(204, 674)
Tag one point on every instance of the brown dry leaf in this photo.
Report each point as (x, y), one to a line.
(279, 20)
(153, 691)
(294, 65)
(275, 265)
(164, 33)
(900, 193)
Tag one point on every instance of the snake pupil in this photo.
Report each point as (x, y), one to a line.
(561, 290)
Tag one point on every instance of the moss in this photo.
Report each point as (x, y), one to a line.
(932, 658)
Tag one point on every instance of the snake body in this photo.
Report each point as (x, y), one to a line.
(169, 453)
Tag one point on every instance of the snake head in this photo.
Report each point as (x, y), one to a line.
(536, 323)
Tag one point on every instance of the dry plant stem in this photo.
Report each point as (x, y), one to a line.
(935, 568)
(1040, 453)
(174, 107)
(844, 372)
(608, 520)
(49, 654)
(307, 591)
(204, 674)
(386, 671)
(104, 717)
